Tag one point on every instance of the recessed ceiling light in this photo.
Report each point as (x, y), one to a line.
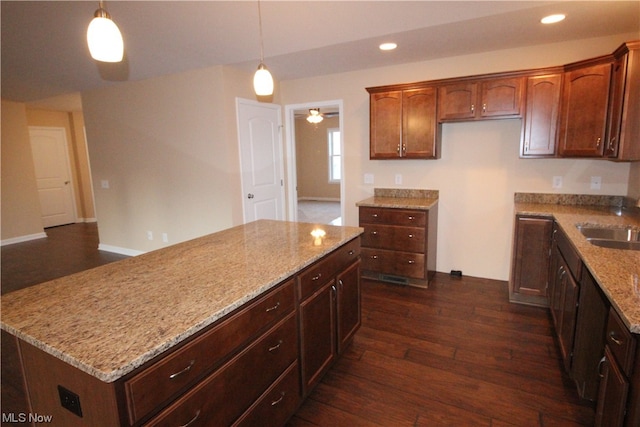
(388, 46)
(552, 19)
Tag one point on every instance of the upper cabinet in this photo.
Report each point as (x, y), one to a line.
(479, 99)
(623, 137)
(403, 124)
(585, 100)
(588, 109)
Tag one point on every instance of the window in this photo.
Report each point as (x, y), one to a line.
(334, 155)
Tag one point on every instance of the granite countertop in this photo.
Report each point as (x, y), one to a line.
(402, 199)
(112, 319)
(616, 271)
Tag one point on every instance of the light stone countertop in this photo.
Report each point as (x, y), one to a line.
(402, 198)
(112, 319)
(617, 271)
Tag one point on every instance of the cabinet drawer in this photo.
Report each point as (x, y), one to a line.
(318, 274)
(165, 379)
(620, 341)
(408, 239)
(277, 404)
(406, 264)
(231, 390)
(389, 216)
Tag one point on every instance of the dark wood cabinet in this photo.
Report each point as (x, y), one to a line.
(403, 124)
(529, 282)
(480, 98)
(612, 399)
(399, 245)
(623, 130)
(541, 114)
(585, 101)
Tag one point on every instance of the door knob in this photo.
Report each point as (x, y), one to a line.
(250, 196)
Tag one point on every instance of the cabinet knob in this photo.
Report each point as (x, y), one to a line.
(374, 233)
(374, 256)
(598, 142)
(411, 261)
(473, 109)
(484, 108)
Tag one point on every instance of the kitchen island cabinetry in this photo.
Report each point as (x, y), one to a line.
(480, 99)
(403, 123)
(530, 267)
(206, 332)
(585, 101)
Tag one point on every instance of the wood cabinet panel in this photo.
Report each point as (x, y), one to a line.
(405, 264)
(585, 103)
(392, 216)
(457, 101)
(419, 125)
(411, 239)
(385, 124)
(501, 97)
(621, 342)
(540, 126)
(348, 305)
(612, 399)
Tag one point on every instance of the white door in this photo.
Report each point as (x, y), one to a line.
(53, 175)
(261, 164)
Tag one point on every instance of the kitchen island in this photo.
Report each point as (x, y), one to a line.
(103, 334)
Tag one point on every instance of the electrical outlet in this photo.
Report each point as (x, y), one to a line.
(368, 178)
(596, 182)
(557, 182)
(149, 235)
(69, 400)
(165, 237)
(104, 184)
(398, 179)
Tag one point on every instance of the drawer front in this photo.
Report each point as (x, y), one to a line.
(347, 254)
(406, 264)
(172, 374)
(277, 404)
(219, 400)
(620, 341)
(408, 239)
(317, 275)
(405, 217)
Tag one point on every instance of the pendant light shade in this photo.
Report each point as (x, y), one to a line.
(263, 81)
(104, 38)
(314, 116)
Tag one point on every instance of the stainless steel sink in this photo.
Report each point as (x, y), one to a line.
(621, 237)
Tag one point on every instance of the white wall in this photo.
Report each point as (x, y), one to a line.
(479, 170)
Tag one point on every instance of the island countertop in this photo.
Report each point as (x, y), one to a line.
(617, 271)
(112, 319)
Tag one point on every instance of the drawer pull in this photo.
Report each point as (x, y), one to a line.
(351, 252)
(195, 417)
(374, 256)
(275, 307)
(612, 335)
(411, 261)
(411, 236)
(374, 233)
(184, 371)
(411, 217)
(275, 402)
(275, 347)
(314, 278)
(600, 374)
(374, 215)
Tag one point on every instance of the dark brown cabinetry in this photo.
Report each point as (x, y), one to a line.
(329, 295)
(619, 394)
(484, 98)
(623, 130)
(399, 244)
(541, 114)
(530, 268)
(403, 124)
(585, 101)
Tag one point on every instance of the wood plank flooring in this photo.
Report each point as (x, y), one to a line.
(456, 354)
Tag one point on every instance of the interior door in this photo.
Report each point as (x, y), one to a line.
(261, 161)
(53, 175)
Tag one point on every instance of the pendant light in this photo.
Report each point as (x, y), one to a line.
(314, 116)
(104, 38)
(262, 80)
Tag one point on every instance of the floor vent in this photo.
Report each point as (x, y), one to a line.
(394, 279)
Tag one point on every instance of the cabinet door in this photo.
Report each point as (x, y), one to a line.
(501, 97)
(457, 101)
(584, 111)
(385, 125)
(556, 276)
(348, 309)
(541, 116)
(531, 260)
(570, 292)
(419, 126)
(612, 397)
(317, 336)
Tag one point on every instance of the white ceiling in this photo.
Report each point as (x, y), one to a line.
(44, 52)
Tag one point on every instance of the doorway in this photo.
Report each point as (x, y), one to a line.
(315, 152)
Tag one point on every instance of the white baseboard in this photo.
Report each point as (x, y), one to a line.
(21, 239)
(318, 199)
(119, 250)
(79, 220)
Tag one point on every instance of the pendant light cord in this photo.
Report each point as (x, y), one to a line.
(260, 26)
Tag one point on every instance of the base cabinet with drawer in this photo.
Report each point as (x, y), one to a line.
(399, 245)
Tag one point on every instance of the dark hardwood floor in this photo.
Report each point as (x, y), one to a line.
(456, 354)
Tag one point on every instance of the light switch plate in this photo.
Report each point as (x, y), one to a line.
(368, 178)
(557, 182)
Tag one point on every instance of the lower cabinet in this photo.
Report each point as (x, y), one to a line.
(329, 315)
